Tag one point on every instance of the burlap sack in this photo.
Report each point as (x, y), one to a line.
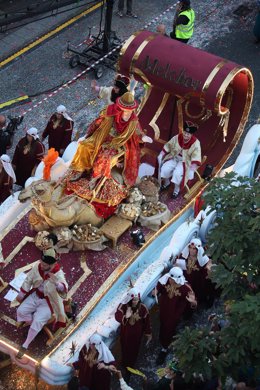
(87, 237)
(154, 222)
(96, 245)
(41, 239)
(150, 188)
(64, 235)
(129, 211)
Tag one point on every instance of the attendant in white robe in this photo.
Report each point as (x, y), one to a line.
(179, 159)
(41, 297)
(110, 94)
(7, 177)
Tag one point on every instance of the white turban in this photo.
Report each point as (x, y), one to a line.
(176, 274)
(202, 259)
(6, 162)
(33, 132)
(104, 353)
(130, 295)
(63, 110)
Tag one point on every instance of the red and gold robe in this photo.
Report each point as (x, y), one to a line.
(89, 374)
(25, 161)
(108, 135)
(6, 185)
(131, 332)
(172, 305)
(59, 137)
(198, 278)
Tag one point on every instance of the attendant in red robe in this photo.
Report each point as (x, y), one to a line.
(94, 362)
(7, 177)
(134, 318)
(196, 267)
(175, 295)
(59, 130)
(28, 154)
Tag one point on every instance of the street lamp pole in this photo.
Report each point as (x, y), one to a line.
(108, 22)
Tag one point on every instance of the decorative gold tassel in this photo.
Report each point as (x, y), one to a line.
(206, 116)
(225, 127)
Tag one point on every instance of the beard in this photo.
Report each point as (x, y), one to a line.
(115, 95)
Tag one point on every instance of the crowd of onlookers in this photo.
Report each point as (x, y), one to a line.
(30, 150)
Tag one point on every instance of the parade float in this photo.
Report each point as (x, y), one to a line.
(100, 257)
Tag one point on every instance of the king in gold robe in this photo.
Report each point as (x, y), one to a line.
(116, 130)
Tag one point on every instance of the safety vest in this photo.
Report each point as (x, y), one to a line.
(185, 31)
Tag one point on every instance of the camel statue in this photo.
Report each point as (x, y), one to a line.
(51, 208)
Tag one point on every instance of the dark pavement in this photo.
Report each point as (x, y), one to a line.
(15, 12)
(36, 73)
(20, 33)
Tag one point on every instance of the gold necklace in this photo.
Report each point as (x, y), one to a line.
(26, 148)
(90, 357)
(134, 318)
(191, 265)
(173, 290)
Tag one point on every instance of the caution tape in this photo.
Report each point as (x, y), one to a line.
(73, 80)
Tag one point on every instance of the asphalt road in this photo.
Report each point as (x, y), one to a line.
(218, 30)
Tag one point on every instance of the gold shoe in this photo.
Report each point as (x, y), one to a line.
(20, 353)
(20, 324)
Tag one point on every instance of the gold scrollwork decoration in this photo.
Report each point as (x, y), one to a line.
(197, 116)
(124, 48)
(210, 78)
(224, 120)
(222, 89)
(139, 51)
(157, 114)
(180, 113)
(206, 116)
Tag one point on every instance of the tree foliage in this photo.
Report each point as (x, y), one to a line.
(234, 244)
(234, 241)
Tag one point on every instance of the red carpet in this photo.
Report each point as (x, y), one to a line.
(101, 264)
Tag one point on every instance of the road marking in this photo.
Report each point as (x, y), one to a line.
(12, 102)
(49, 34)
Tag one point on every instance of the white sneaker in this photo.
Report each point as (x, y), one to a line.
(131, 15)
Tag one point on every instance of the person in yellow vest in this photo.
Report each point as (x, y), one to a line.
(183, 23)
